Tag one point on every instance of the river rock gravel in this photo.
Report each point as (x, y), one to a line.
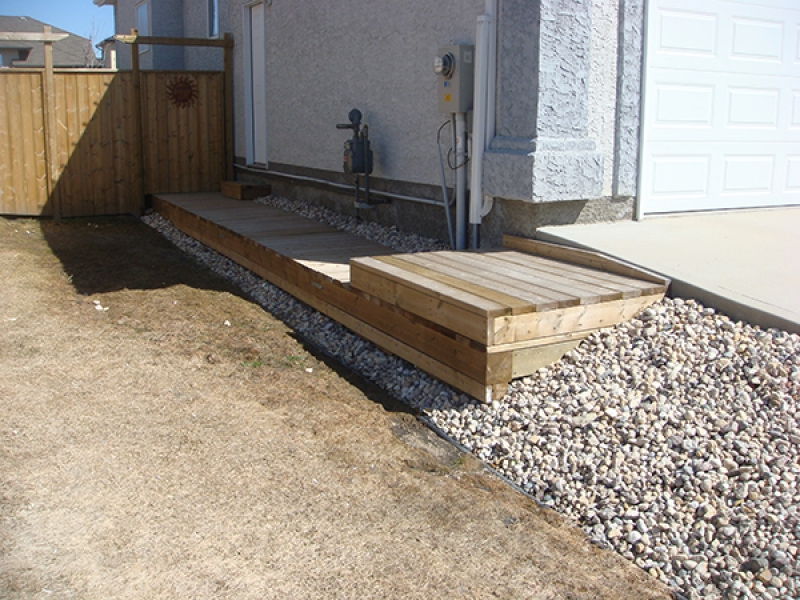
(673, 438)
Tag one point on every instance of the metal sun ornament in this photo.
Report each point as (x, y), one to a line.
(182, 91)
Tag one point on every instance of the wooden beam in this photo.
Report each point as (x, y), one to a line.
(137, 119)
(49, 106)
(47, 36)
(586, 318)
(228, 114)
(135, 38)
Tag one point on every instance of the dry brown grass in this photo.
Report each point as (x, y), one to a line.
(153, 451)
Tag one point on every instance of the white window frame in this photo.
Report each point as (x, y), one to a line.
(143, 31)
(212, 8)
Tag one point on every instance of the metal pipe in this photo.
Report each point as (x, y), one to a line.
(461, 181)
(445, 196)
(338, 186)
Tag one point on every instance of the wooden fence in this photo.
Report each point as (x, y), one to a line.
(90, 142)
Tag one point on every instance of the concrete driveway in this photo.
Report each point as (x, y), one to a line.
(744, 262)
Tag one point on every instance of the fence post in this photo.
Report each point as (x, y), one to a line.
(49, 122)
(228, 65)
(137, 117)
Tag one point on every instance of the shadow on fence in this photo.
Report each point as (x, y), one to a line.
(73, 147)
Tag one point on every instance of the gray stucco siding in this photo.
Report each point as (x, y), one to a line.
(325, 57)
(166, 20)
(629, 97)
(195, 24)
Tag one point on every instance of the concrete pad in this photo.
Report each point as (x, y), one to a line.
(743, 263)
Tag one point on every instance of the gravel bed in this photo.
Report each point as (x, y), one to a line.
(388, 236)
(672, 438)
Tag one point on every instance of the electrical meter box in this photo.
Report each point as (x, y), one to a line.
(455, 69)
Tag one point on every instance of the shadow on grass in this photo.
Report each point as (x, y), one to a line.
(108, 254)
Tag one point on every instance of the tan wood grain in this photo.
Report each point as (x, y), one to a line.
(581, 257)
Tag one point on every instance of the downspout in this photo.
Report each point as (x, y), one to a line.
(483, 114)
(491, 92)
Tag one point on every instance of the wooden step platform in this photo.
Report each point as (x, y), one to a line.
(475, 320)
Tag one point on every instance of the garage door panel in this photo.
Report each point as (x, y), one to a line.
(737, 108)
(683, 105)
(748, 175)
(795, 119)
(793, 174)
(721, 177)
(688, 33)
(680, 176)
(753, 107)
(722, 105)
(756, 39)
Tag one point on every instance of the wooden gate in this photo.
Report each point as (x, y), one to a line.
(89, 142)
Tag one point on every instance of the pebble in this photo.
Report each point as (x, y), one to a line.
(673, 438)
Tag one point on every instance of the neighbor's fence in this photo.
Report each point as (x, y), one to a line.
(88, 142)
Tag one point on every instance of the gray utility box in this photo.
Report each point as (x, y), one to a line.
(455, 84)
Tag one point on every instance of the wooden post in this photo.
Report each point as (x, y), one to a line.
(228, 66)
(49, 121)
(137, 118)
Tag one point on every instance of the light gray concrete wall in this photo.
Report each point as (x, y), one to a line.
(630, 66)
(166, 19)
(558, 104)
(544, 152)
(195, 24)
(325, 57)
(124, 21)
(603, 85)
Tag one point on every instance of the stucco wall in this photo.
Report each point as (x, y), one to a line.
(603, 85)
(629, 97)
(124, 21)
(325, 57)
(195, 24)
(166, 19)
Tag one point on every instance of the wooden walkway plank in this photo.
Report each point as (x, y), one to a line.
(628, 286)
(527, 273)
(449, 288)
(461, 266)
(582, 257)
(569, 292)
(272, 225)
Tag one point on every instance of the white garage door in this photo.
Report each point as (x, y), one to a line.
(722, 105)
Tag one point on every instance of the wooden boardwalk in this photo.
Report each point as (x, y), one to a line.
(476, 320)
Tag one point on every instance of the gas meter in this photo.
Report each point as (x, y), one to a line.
(357, 151)
(454, 66)
(358, 158)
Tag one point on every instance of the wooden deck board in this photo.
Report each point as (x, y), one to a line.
(473, 319)
(628, 286)
(562, 290)
(465, 267)
(526, 273)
